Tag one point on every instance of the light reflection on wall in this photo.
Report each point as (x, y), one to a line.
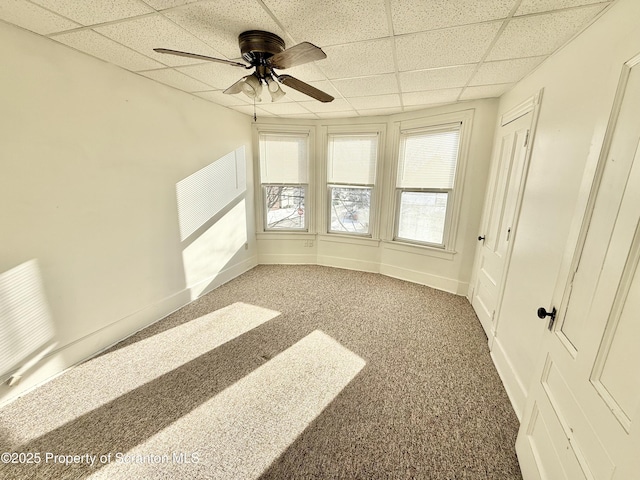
(207, 255)
(25, 320)
(205, 193)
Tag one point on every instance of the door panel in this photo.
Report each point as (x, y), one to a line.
(499, 225)
(588, 399)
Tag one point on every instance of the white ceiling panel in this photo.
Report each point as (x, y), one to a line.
(277, 108)
(375, 101)
(505, 71)
(101, 47)
(366, 86)
(435, 79)
(216, 96)
(218, 75)
(537, 6)
(379, 111)
(338, 105)
(433, 96)
(540, 34)
(219, 22)
(410, 16)
(331, 22)
(164, 4)
(358, 59)
(34, 18)
(94, 12)
(484, 91)
(442, 48)
(145, 34)
(175, 79)
(384, 56)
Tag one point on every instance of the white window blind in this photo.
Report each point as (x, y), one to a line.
(428, 158)
(284, 158)
(352, 159)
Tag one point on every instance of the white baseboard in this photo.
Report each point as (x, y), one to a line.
(287, 259)
(84, 348)
(349, 263)
(441, 283)
(510, 379)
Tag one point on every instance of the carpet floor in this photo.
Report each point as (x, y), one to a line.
(286, 372)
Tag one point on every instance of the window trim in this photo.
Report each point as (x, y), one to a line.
(375, 209)
(310, 191)
(454, 203)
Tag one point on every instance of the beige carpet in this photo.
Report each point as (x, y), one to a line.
(286, 372)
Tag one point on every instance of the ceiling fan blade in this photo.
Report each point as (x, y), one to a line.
(200, 57)
(235, 88)
(305, 88)
(304, 52)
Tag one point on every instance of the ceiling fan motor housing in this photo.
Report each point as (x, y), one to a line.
(257, 46)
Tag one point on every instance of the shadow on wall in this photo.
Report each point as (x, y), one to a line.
(213, 219)
(26, 329)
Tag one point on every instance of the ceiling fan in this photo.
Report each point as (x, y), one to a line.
(265, 51)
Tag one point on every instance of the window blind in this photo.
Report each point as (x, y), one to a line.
(428, 158)
(284, 158)
(352, 159)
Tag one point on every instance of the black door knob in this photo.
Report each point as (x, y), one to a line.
(481, 238)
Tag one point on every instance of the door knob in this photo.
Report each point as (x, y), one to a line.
(542, 313)
(481, 238)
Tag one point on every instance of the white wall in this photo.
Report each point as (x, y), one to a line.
(90, 156)
(579, 86)
(446, 271)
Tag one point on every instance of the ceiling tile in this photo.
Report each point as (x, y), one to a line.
(485, 91)
(536, 6)
(358, 59)
(175, 79)
(34, 18)
(345, 114)
(331, 22)
(338, 105)
(248, 110)
(101, 47)
(433, 96)
(379, 111)
(220, 98)
(375, 101)
(91, 13)
(411, 16)
(145, 34)
(364, 86)
(219, 22)
(441, 48)
(163, 4)
(218, 75)
(307, 116)
(505, 71)
(308, 72)
(540, 34)
(283, 108)
(435, 79)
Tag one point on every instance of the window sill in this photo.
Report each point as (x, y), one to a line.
(353, 240)
(420, 249)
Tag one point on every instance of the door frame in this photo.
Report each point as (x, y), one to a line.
(531, 104)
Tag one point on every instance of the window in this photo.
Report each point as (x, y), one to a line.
(284, 165)
(351, 172)
(427, 163)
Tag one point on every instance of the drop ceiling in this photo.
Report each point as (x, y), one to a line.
(383, 56)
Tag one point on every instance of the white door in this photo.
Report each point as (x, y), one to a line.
(582, 417)
(500, 217)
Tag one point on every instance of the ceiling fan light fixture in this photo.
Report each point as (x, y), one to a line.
(274, 89)
(252, 87)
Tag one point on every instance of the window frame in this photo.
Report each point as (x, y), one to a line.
(309, 197)
(374, 207)
(454, 197)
